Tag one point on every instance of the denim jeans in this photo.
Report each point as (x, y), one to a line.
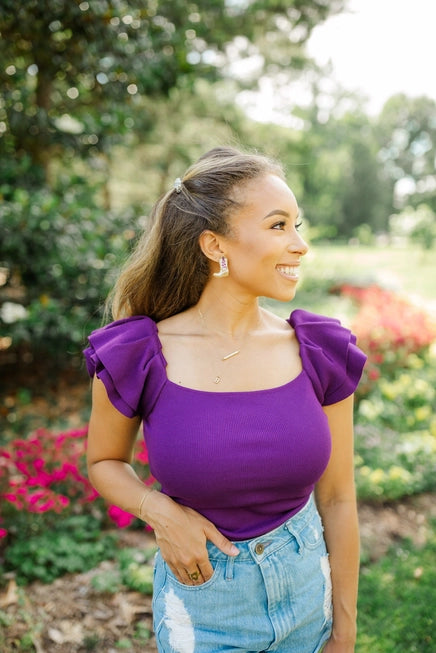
(274, 596)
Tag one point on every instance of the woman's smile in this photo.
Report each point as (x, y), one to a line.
(290, 272)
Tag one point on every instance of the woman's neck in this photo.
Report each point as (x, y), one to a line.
(227, 316)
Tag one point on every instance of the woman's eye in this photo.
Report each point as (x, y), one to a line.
(279, 225)
(298, 225)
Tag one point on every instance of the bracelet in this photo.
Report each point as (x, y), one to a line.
(145, 495)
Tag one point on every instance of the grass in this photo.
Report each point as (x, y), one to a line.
(397, 601)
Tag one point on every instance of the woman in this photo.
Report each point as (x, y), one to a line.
(247, 419)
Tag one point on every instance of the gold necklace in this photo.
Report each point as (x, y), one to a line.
(233, 353)
(223, 358)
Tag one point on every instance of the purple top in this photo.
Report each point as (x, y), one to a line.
(246, 460)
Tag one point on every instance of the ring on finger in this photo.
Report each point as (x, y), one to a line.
(194, 576)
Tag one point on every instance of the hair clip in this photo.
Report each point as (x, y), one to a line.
(178, 185)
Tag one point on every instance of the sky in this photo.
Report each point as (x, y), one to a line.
(381, 47)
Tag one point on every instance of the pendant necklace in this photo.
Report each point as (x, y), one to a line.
(226, 358)
(233, 353)
(223, 358)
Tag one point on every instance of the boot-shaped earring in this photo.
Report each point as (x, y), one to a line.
(224, 268)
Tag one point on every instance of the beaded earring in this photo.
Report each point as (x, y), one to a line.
(224, 268)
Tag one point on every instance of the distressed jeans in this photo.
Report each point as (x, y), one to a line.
(274, 596)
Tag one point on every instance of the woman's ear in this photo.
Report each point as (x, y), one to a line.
(211, 245)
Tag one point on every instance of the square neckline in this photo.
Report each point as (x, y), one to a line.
(275, 388)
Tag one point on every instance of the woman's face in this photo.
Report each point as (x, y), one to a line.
(265, 248)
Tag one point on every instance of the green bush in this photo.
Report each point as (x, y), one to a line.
(390, 465)
(405, 402)
(58, 253)
(75, 545)
(396, 433)
(135, 571)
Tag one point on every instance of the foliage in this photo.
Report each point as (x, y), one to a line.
(76, 72)
(396, 437)
(74, 544)
(390, 330)
(78, 79)
(417, 225)
(396, 433)
(134, 570)
(406, 132)
(344, 183)
(392, 465)
(58, 250)
(396, 601)
(395, 423)
(44, 476)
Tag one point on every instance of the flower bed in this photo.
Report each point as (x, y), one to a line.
(396, 401)
(391, 331)
(45, 475)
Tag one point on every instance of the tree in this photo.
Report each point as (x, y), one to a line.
(78, 77)
(406, 132)
(418, 225)
(344, 184)
(74, 72)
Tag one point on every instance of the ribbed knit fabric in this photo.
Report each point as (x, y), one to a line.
(246, 460)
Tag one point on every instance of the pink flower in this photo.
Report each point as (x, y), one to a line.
(46, 472)
(3, 532)
(120, 517)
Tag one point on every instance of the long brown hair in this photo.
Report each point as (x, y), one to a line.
(167, 271)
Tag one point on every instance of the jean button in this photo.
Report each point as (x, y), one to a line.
(259, 548)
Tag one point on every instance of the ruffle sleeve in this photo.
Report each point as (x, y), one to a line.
(126, 356)
(329, 355)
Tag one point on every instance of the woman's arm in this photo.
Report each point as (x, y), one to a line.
(181, 533)
(336, 501)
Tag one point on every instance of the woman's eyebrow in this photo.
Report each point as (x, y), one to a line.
(280, 212)
(276, 212)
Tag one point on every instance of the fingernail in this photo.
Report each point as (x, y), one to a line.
(234, 551)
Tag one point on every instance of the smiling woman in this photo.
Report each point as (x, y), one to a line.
(247, 420)
(264, 248)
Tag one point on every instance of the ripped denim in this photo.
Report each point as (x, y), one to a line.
(274, 596)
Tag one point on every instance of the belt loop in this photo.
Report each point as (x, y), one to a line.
(296, 536)
(230, 568)
(300, 543)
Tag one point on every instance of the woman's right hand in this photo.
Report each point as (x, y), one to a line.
(181, 534)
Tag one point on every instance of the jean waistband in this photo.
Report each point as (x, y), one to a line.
(269, 542)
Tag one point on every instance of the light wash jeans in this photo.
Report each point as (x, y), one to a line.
(274, 596)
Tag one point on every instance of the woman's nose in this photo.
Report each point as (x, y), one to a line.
(298, 244)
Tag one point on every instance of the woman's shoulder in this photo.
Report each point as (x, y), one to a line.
(126, 355)
(329, 354)
(301, 317)
(179, 323)
(135, 326)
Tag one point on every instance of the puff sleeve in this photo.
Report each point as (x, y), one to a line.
(329, 355)
(126, 356)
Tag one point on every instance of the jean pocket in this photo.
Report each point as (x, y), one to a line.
(171, 578)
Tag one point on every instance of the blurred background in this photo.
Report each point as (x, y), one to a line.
(103, 103)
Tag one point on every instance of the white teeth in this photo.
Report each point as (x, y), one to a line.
(289, 271)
